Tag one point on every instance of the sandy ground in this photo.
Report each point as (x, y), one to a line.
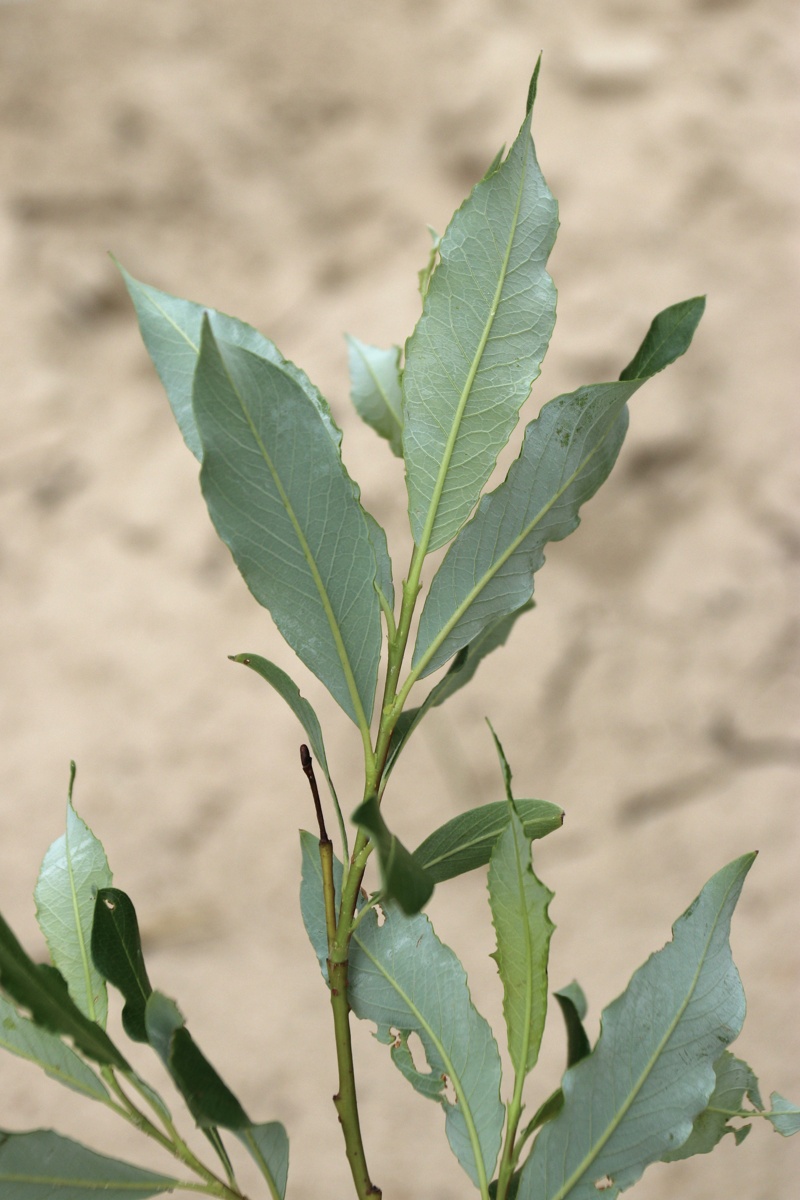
(280, 161)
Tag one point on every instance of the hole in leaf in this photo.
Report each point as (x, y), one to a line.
(603, 1184)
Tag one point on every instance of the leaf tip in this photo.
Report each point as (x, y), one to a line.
(532, 86)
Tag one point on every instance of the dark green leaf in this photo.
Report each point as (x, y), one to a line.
(210, 1101)
(734, 1080)
(572, 1003)
(567, 453)
(375, 389)
(42, 1165)
(504, 766)
(171, 332)
(72, 870)
(460, 672)
(269, 1147)
(467, 841)
(404, 880)
(117, 954)
(41, 989)
(282, 501)
(519, 904)
(22, 1037)
(668, 337)
(651, 1073)
(486, 322)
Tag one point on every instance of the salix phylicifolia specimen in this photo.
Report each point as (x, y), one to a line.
(660, 1083)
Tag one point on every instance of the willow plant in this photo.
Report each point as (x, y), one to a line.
(660, 1083)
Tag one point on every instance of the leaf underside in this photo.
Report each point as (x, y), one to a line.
(651, 1073)
(42, 1165)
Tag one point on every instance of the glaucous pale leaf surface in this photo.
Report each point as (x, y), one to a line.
(519, 903)
(117, 954)
(383, 577)
(375, 389)
(43, 1165)
(404, 980)
(22, 1037)
(268, 1145)
(637, 1094)
(734, 1080)
(73, 867)
(466, 841)
(784, 1115)
(487, 318)
(170, 329)
(403, 880)
(283, 503)
(572, 1003)
(210, 1101)
(567, 453)
(460, 672)
(42, 990)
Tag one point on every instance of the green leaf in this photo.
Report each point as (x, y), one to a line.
(404, 979)
(375, 389)
(669, 336)
(384, 581)
(424, 276)
(567, 453)
(785, 1115)
(486, 322)
(73, 869)
(466, 841)
(43, 1165)
(22, 1037)
(651, 1073)
(519, 903)
(404, 880)
(460, 672)
(289, 691)
(572, 1003)
(117, 954)
(171, 329)
(504, 766)
(734, 1080)
(42, 990)
(210, 1101)
(268, 1145)
(282, 501)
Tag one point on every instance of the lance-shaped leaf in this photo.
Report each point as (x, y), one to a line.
(22, 1037)
(171, 328)
(785, 1115)
(733, 1081)
(572, 1003)
(74, 867)
(117, 954)
(404, 979)
(487, 318)
(268, 1145)
(461, 671)
(41, 989)
(404, 880)
(384, 581)
(375, 389)
(305, 714)
(210, 1101)
(466, 842)
(567, 453)
(651, 1073)
(519, 903)
(43, 1165)
(282, 501)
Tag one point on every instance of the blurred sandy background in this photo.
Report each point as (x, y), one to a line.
(280, 162)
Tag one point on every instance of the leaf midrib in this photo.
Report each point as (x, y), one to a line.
(307, 554)
(622, 1112)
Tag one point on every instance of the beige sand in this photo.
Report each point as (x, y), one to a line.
(280, 161)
